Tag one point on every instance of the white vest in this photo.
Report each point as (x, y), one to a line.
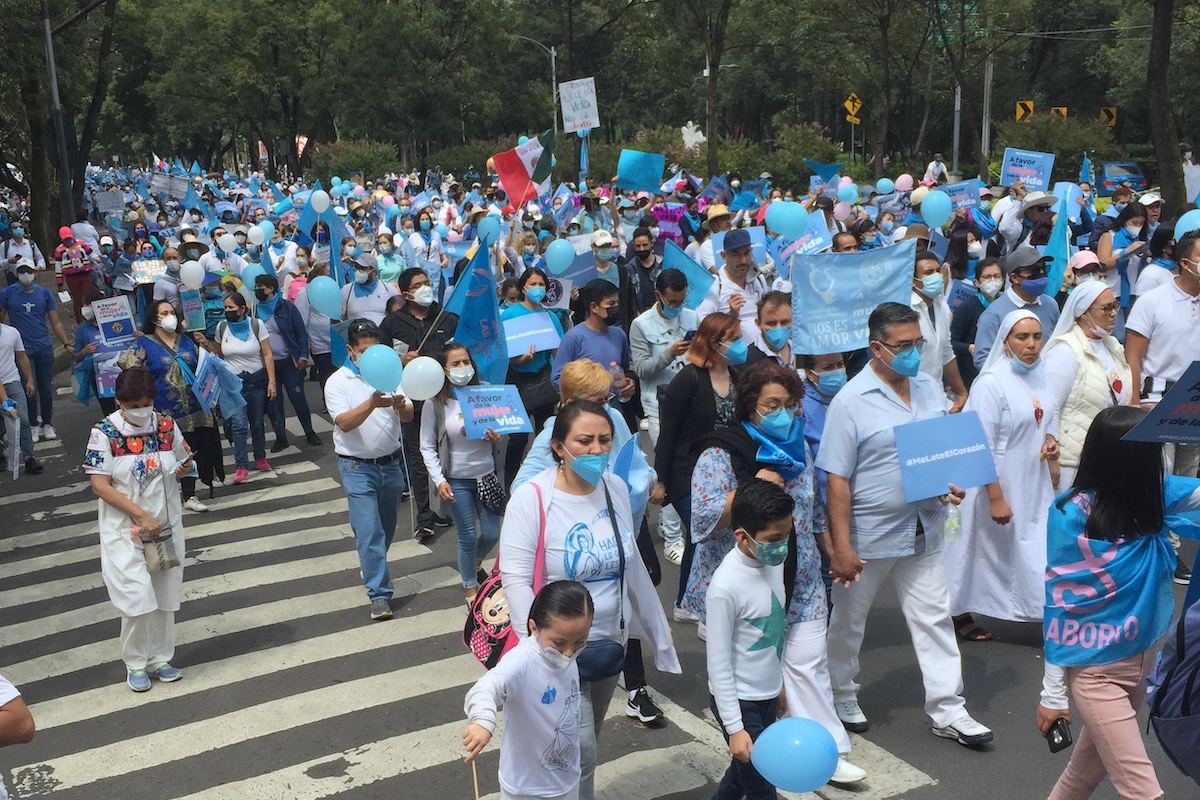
(1090, 393)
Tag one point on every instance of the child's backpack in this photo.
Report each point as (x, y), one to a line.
(1174, 695)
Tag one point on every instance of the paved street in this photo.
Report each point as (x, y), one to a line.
(291, 692)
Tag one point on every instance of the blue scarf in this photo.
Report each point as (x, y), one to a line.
(983, 298)
(786, 456)
(266, 308)
(365, 289)
(240, 330)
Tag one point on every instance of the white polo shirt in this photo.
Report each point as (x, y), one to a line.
(378, 436)
(1168, 317)
(935, 330)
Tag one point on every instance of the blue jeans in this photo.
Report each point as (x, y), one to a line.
(743, 779)
(41, 402)
(373, 495)
(249, 420)
(291, 380)
(16, 390)
(472, 545)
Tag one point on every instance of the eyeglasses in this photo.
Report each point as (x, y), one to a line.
(905, 345)
(1109, 308)
(775, 405)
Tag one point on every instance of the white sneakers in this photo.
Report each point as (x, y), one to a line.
(847, 772)
(674, 552)
(48, 433)
(852, 716)
(36, 432)
(965, 731)
(193, 504)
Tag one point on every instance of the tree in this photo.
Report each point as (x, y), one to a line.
(1162, 122)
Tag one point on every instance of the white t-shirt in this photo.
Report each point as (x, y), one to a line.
(378, 436)
(1168, 317)
(317, 325)
(469, 458)
(723, 288)
(1151, 277)
(372, 306)
(10, 345)
(244, 356)
(8, 693)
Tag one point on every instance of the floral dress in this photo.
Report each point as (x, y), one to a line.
(712, 480)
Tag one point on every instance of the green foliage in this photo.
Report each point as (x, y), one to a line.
(348, 156)
(1067, 137)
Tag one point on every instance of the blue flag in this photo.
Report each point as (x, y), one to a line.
(1085, 171)
(474, 301)
(195, 170)
(1059, 249)
(584, 160)
(826, 172)
(718, 190)
(699, 279)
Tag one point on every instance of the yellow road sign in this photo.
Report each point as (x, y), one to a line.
(1024, 110)
(853, 105)
(1108, 115)
(1060, 111)
(853, 120)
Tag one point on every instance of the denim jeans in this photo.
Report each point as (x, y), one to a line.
(743, 780)
(249, 420)
(16, 390)
(373, 495)
(41, 402)
(473, 544)
(291, 380)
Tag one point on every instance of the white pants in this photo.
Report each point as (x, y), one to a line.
(148, 640)
(571, 795)
(925, 602)
(668, 517)
(594, 699)
(806, 679)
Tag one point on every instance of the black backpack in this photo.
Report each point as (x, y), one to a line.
(1174, 695)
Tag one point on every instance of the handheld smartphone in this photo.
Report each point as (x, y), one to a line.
(687, 337)
(1059, 735)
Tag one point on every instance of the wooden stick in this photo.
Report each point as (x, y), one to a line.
(475, 778)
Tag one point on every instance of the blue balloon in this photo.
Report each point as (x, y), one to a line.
(489, 228)
(1188, 222)
(336, 181)
(936, 209)
(583, 133)
(324, 296)
(522, 140)
(380, 367)
(559, 255)
(885, 186)
(249, 273)
(442, 230)
(282, 207)
(268, 229)
(789, 220)
(848, 193)
(795, 754)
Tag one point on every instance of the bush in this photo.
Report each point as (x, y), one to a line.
(1067, 137)
(348, 156)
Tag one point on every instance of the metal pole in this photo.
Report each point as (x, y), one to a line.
(987, 116)
(957, 124)
(554, 86)
(60, 133)
(851, 142)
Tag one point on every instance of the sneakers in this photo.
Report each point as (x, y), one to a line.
(262, 465)
(33, 467)
(240, 475)
(312, 438)
(193, 504)
(641, 707)
(847, 772)
(36, 432)
(679, 615)
(138, 680)
(674, 552)
(48, 433)
(380, 609)
(442, 522)
(168, 674)
(852, 716)
(422, 534)
(965, 731)
(1183, 574)
(279, 446)
(644, 425)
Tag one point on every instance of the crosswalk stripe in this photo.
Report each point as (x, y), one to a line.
(194, 738)
(26, 498)
(201, 677)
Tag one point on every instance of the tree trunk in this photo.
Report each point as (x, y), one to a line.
(99, 91)
(712, 102)
(1163, 133)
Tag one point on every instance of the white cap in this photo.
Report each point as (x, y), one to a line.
(1150, 198)
(602, 238)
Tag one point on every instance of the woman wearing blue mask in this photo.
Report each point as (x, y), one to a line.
(574, 522)
(426, 242)
(766, 440)
(998, 567)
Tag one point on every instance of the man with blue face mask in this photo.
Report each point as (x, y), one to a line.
(1026, 288)
(929, 301)
(774, 338)
(875, 532)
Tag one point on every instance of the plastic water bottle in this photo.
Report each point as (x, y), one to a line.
(952, 529)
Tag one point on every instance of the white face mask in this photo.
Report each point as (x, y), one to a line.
(169, 323)
(1133, 230)
(362, 276)
(26, 278)
(975, 249)
(88, 314)
(173, 265)
(461, 376)
(559, 661)
(991, 288)
(1086, 277)
(137, 417)
(423, 296)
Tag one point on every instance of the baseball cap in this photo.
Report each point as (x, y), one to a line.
(1150, 198)
(1084, 259)
(106, 240)
(25, 263)
(1025, 256)
(367, 261)
(602, 238)
(736, 239)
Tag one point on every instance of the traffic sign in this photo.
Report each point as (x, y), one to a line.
(1108, 115)
(853, 120)
(1024, 110)
(1060, 111)
(853, 105)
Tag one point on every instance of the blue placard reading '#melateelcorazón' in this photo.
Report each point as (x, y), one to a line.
(943, 450)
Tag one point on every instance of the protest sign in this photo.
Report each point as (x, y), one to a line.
(581, 271)
(160, 183)
(641, 172)
(579, 108)
(148, 270)
(192, 305)
(699, 279)
(943, 450)
(758, 245)
(964, 194)
(111, 202)
(814, 240)
(829, 187)
(114, 318)
(536, 330)
(1176, 418)
(669, 215)
(104, 360)
(833, 294)
(1065, 190)
(558, 292)
(939, 245)
(1030, 166)
(581, 243)
(207, 384)
(492, 406)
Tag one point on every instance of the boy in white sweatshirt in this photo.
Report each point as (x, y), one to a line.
(746, 624)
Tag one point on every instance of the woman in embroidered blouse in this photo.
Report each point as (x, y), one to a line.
(173, 359)
(135, 458)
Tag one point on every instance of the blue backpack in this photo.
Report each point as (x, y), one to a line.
(1174, 693)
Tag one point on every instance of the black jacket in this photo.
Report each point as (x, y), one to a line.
(402, 326)
(688, 413)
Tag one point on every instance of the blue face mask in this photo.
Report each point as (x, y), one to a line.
(535, 294)
(933, 285)
(670, 312)
(907, 362)
(426, 224)
(18, 232)
(1036, 286)
(778, 423)
(776, 338)
(736, 353)
(829, 382)
(1020, 366)
(772, 554)
(590, 466)
(606, 254)
(887, 226)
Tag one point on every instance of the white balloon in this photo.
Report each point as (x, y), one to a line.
(191, 274)
(227, 243)
(255, 235)
(319, 200)
(422, 378)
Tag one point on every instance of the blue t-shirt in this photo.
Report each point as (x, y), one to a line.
(582, 342)
(27, 313)
(87, 333)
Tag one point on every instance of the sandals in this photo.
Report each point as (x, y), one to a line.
(968, 630)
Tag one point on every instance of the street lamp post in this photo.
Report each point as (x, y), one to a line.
(550, 51)
(56, 112)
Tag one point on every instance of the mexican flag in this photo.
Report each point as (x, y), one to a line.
(159, 164)
(525, 170)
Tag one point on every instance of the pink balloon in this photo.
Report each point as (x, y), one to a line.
(845, 181)
(454, 236)
(904, 183)
(841, 210)
(388, 201)
(359, 191)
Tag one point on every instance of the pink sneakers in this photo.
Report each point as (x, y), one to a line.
(261, 465)
(240, 475)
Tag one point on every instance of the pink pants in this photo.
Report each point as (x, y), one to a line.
(1107, 699)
